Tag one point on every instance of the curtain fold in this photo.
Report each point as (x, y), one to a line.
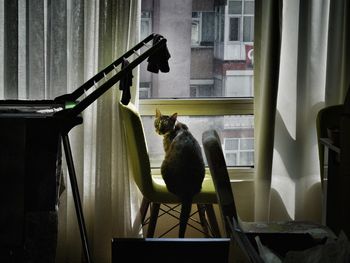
(49, 48)
(338, 54)
(115, 200)
(295, 175)
(267, 41)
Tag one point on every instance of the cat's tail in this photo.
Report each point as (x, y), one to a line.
(186, 205)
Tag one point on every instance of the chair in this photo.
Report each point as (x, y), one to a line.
(153, 189)
(327, 118)
(281, 236)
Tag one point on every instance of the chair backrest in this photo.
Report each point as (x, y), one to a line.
(218, 169)
(137, 148)
(328, 117)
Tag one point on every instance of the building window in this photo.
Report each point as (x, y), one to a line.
(234, 28)
(146, 24)
(238, 11)
(202, 29)
(220, 23)
(201, 91)
(196, 28)
(239, 151)
(145, 90)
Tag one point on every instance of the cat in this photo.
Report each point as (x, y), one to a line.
(183, 167)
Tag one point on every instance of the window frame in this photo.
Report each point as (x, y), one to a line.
(201, 106)
(204, 107)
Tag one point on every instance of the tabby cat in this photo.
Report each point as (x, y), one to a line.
(183, 166)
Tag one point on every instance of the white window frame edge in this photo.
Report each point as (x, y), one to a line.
(198, 107)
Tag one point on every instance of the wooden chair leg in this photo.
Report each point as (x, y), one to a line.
(203, 220)
(143, 209)
(153, 219)
(212, 220)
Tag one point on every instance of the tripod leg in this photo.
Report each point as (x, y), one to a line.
(76, 197)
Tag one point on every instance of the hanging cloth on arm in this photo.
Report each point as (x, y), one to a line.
(125, 83)
(159, 60)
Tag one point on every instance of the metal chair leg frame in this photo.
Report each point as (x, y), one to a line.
(212, 220)
(208, 229)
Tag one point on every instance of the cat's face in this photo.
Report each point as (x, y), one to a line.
(164, 123)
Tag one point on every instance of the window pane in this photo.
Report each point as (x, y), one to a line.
(222, 28)
(246, 158)
(231, 159)
(146, 27)
(202, 91)
(235, 7)
(231, 144)
(195, 33)
(247, 144)
(234, 29)
(249, 8)
(194, 53)
(207, 28)
(145, 90)
(197, 125)
(195, 14)
(248, 29)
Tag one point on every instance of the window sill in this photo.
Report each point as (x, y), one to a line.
(236, 174)
(198, 107)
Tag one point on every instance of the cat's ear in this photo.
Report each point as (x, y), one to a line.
(174, 116)
(158, 114)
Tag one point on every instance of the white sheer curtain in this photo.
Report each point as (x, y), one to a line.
(49, 48)
(307, 64)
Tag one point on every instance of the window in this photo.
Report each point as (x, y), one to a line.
(206, 89)
(234, 28)
(202, 29)
(145, 90)
(196, 28)
(239, 151)
(146, 24)
(241, 17)
(220, 23)
(201, 90)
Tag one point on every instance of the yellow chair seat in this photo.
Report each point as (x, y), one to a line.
(161, 194)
